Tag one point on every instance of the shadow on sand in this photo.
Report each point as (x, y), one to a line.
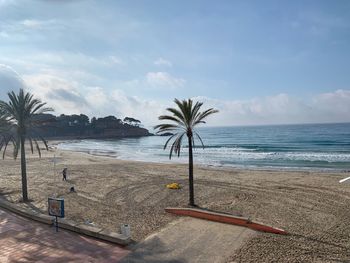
(152, 250)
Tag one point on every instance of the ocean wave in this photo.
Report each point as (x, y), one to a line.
(291, 156)
(287, 146)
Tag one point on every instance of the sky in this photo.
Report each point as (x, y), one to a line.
(257, 62)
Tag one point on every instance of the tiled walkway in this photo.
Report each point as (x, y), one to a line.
(22, 240)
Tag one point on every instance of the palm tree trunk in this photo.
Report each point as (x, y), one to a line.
(190, 171)
(24, 171)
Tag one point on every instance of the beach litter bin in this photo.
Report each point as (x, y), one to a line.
(125, 230)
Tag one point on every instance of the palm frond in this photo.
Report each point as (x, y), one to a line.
(203, 115)
(195, 111)
(178, 142)
(6, 143)
(167, 142)
(17, 119)
(176, 146)
(183, 106)
(37, 147)
(31, 144)
(178, 114)
(44, 142)
(171, 118)
(163, 128)
(183, 120)
(16, 147)
(200, 139)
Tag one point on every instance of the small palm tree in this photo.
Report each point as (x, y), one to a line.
(184, 120)
(18, 123)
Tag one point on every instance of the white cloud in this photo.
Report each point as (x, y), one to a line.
(9, 81)
(333, 106)
(96, 97)
(164, 80)
(62, 95)
(67, 96)
(34, 24)
(162, 62)
(145, 110)
(281, 109)
(70, 97)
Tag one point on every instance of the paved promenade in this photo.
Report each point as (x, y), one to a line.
(22, 240)
(190, 240)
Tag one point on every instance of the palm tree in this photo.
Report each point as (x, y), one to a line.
(18, 123)
(184, 121)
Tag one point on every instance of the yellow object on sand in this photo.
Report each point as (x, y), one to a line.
(173, 186)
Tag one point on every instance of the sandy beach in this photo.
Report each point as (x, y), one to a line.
(312, 206)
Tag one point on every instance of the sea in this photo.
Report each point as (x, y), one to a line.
(291, 147)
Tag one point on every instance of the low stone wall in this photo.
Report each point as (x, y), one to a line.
(87, 230)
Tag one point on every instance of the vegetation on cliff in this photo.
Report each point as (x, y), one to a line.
(80, 126)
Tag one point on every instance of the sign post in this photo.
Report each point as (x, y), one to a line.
(56, 209)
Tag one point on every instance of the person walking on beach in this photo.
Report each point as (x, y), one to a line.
(64, 173)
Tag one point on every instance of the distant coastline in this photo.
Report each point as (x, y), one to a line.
(68, 127)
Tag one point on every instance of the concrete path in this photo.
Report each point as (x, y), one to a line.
(22, 240)
(190, 240)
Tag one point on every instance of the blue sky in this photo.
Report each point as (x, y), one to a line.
(258, 62)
